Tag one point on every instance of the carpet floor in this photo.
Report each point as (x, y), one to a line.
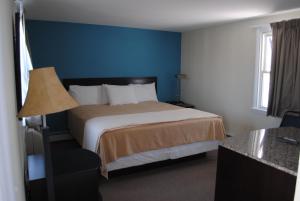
(192, 180)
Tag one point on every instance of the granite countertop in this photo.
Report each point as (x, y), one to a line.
(264, 146)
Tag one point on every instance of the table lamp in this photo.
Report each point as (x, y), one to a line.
(46, 95)
(179, 77)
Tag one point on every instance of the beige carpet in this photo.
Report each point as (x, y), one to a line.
(192, 180)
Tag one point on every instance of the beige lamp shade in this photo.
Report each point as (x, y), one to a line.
(46, 94)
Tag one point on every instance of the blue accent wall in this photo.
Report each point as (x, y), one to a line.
(84, 50)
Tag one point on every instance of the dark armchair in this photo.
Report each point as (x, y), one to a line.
(291, 119)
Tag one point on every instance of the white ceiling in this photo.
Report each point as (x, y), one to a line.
(171, 15)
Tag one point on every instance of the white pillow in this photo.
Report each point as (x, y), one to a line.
(85, 95)
(145, 92)
(119, 95)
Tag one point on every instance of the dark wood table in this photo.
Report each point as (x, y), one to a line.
(259, 166)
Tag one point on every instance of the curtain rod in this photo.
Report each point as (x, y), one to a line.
(268, 24)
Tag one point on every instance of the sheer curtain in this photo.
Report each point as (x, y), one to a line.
(25, 60)
(23, 63)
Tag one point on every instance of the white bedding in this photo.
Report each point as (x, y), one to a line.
(162, 154)
(95, 127)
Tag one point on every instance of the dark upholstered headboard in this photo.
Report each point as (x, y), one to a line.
(110, 80)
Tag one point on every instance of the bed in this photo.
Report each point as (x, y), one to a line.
(136, 134)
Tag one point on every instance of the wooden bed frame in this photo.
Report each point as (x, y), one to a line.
(109, 80)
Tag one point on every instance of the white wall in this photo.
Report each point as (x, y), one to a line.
(220, 64)
(11, 168)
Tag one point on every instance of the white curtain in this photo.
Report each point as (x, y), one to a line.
(25, 65)
(25, 60)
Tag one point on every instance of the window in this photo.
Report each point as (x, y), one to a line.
(22, 59)
(263, 63)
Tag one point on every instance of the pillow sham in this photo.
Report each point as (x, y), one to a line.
(145, 92)
(85, 95)
(119, 95)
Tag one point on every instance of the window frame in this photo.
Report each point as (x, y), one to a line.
(257, 99)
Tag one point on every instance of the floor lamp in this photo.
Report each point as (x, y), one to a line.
(46, 95)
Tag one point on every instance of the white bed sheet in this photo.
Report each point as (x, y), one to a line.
(94, 128)
(163, 154)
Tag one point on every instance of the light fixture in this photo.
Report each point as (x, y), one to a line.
(179, 77)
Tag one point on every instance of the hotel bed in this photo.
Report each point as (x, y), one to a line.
(136, 134)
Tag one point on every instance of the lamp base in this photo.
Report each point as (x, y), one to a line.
(44, 120)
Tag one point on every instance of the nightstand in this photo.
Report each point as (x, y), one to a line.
(75, 173)
(181, 104)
